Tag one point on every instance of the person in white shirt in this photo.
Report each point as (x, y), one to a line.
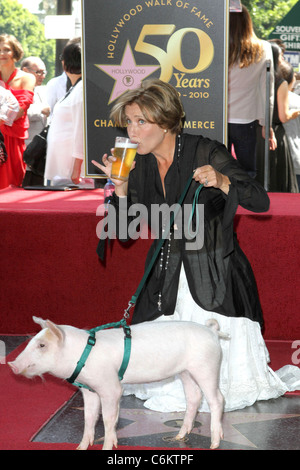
(56, 89)
(65, 140)
(39, 111)
(248, 58)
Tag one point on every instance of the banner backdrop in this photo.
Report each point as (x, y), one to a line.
(182, 43)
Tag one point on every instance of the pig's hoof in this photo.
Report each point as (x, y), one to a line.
(214, 445)
(82, 447)
(181, 438)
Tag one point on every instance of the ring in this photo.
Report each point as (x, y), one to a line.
(206, 182)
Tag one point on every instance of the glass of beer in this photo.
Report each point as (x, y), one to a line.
(124, 152)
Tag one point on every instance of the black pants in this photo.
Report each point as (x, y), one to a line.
(243, 138)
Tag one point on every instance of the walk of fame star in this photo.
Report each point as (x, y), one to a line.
(127, 75)
(159, 423)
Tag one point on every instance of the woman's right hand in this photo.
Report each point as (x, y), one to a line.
(121, 187)
(272, 138)
(106, 167)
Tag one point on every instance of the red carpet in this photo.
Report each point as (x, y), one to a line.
(49, 266)
(26, 405)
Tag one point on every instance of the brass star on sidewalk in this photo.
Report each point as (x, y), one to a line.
(147, 422)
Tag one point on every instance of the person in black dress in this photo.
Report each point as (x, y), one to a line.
(214, 280)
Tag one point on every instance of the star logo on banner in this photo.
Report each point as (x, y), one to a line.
(127, 75)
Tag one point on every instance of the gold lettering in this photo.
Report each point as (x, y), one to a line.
(158, 3)
(208, 23)
(103, 123)
(204, 19)
(195, 82)
(199, 125)
(182, 82)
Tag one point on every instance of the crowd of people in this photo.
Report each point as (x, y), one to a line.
(27, 107)
(249, 57)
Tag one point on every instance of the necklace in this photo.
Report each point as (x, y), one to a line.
(70, 90)
(164, 259)
(163, 267)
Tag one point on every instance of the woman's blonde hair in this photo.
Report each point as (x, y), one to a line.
(14, 44)
(244, 47)
(159, 103)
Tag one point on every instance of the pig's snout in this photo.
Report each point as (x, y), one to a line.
(27, 372)
(13, 367)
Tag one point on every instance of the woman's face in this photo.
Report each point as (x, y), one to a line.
(149, 136)
(6, 53)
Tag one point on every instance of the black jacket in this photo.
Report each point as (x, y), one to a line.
(219, 275)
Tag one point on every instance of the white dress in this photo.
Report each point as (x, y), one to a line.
(245, 376)
(65, 140)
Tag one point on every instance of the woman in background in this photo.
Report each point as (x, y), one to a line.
(282, 172)
(21, 85)
(248, 58)
(65, 147)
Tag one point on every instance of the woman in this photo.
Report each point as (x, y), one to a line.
(248, 58)
(21, 85)
(292, 127)
(65, 149)
(282, 172)
(211, 281)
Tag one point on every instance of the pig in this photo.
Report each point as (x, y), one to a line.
(159, 350)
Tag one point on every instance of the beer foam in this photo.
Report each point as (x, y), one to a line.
(127, 145)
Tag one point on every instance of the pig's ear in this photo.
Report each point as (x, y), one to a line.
(58, 332)
(40, 321)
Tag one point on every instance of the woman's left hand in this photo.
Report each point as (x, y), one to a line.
(75, 177)
(210, 177)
